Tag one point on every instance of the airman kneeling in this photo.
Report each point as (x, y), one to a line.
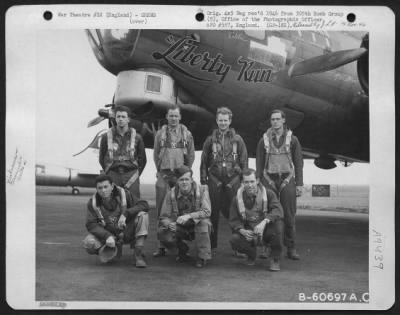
(185, 217)
(256, 219)
(114, 217)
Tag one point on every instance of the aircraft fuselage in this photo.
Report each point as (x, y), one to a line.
(248, 72)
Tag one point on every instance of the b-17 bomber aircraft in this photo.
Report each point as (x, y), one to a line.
(320, 80)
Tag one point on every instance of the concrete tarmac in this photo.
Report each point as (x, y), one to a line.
(333, 248)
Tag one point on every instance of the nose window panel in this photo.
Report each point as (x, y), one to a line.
(96, 43)
(94, 38)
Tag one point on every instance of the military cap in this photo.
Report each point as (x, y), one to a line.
(180, 171)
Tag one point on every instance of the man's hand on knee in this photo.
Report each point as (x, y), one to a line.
(183, 219)
(259, 228)
(122, 222)
(248, 235)
(172, 226)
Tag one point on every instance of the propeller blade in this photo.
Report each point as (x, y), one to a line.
(326, 62)
(95, 121)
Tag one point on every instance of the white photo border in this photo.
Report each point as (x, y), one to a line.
(22, 24)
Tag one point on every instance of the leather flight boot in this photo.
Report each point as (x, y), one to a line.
(239, 254)
(119, 251)
(139, 259)
(266, 252)
(183, 257)
(292, 254)
(200, 263)
(250, 262)
(183, 249)
(160, 252)
(274, 264)
(119, 243)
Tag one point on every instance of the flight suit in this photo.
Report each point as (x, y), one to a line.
(254, 212)
(198, 228)
(123, 168)
(281, 170)
(221, 168)
(102, 221)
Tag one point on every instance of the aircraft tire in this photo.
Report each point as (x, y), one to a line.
(75, 191)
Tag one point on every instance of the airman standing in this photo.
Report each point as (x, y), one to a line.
(223, 158)
(122, 153)
(279, 164)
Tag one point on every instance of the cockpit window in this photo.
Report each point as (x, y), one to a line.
(255, 34)
(275, 51)
(316, 38)
(322, 40)
(119, 33)
(272, 55)
(307, 36)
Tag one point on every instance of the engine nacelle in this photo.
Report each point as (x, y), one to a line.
(325, 162)
(135, 88)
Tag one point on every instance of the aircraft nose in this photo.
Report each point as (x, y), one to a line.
(113, 48)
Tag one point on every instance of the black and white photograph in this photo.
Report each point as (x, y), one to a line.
(225, 163)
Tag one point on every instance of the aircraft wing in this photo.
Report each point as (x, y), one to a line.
(87, 175)
(327, 161)
(53, 175)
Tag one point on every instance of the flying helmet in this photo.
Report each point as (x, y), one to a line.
(106, 253)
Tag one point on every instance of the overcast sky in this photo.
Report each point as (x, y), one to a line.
(72, 86)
